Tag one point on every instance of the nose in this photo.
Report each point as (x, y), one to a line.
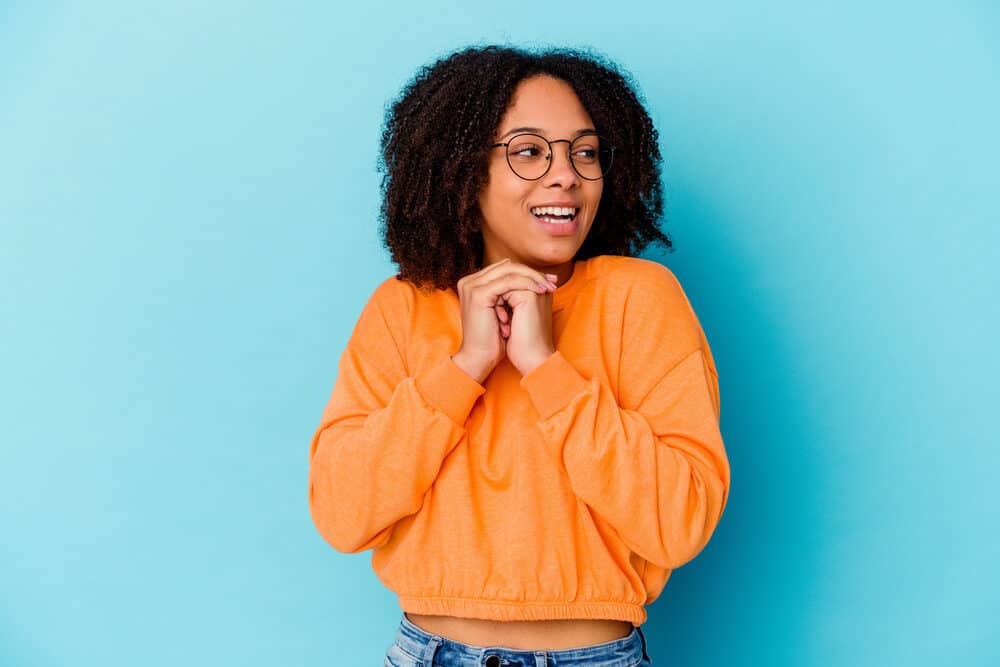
(561, 171)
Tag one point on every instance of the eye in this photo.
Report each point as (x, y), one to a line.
(585, 155)
(525, 150)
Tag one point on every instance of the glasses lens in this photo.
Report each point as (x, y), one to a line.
(591, 155)
(528, 155)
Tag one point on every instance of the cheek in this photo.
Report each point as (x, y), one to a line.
(595, 194)
(503, 193)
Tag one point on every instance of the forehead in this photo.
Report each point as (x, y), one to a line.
(547, 103)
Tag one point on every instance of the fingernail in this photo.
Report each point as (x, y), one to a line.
(551, 276)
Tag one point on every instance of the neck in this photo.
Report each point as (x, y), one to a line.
(563, 271)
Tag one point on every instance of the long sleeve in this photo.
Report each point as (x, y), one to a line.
(384, 433)
(656, 469)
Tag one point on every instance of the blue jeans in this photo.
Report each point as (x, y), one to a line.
(415, 647)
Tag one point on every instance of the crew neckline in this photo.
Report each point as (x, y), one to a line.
(566, 292)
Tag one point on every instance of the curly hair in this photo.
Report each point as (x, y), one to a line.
(434, 158)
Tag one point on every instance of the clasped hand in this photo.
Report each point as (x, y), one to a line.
(506, 311)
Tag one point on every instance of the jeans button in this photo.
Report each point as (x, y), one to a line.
(493, 661)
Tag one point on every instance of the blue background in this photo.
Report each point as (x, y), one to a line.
(188, 198)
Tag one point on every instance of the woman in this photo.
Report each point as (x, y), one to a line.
(525, 423)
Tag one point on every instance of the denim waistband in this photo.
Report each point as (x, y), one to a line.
(436, 650)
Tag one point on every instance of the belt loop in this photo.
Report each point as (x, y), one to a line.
(541, 659)
(430, 650)
(643, 637)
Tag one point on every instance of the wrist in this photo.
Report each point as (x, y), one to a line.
(477, 371)
(536, 362)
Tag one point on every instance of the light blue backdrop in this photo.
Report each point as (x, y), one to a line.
(188, 198)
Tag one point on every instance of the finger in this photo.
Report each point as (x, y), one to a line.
(516, 298)
(490, 268)
(470, 279)
(503, 268)
(512, 282)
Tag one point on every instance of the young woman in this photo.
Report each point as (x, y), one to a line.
(525, 423)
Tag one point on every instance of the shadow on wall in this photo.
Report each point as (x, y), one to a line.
(760, 553)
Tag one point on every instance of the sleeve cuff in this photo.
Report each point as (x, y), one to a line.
(449, 389)
(552, 384)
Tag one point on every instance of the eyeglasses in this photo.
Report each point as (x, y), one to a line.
(590, 154)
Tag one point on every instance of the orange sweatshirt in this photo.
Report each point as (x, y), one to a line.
(569, 492)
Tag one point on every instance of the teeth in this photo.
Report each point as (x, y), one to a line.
(553, 210)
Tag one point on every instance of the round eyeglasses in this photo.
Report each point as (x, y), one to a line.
(530, 155)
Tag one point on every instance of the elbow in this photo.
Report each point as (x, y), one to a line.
(342, 506)
(339, 526)
(700, 514)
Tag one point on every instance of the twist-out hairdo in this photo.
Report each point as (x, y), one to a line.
(434, 158)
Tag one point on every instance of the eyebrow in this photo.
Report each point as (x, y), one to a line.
(538, 130)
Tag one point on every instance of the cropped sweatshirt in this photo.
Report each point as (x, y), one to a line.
(569, 492)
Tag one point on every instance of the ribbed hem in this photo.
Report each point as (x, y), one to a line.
(500, 610)
(449, 389)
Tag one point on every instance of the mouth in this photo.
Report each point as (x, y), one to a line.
(555, 215)
(557, 220)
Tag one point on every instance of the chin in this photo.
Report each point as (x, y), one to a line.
(556, 259)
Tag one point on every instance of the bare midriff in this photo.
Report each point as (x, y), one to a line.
(554, 635)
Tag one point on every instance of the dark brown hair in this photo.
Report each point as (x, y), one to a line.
(434, 158)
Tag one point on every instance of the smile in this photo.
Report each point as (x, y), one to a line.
(555, 214)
